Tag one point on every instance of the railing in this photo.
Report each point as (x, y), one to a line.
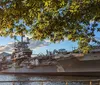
(44, 80)
(66, 82)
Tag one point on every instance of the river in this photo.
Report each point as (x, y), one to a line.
(47, 80)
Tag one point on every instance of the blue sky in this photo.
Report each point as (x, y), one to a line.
(68, 45)
(5, 40)
(63, 44)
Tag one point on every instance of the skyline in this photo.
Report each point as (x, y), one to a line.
(41, 46)
(38, 46)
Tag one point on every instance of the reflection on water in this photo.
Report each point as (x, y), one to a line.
(48, 80)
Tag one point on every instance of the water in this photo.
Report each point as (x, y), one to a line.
(47, 80)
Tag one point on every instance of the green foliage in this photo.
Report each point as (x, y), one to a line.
(53, 19)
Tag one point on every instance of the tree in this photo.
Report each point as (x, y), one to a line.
(53, 19)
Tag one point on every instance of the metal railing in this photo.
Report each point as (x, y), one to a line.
(42, 82)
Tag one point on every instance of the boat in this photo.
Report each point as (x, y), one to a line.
(57, 63)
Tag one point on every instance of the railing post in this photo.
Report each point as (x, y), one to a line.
(90, 82)
(66, 83)
(13, 83)
(41, 83)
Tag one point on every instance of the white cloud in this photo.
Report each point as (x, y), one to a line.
(37, 44)
(33, 45)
